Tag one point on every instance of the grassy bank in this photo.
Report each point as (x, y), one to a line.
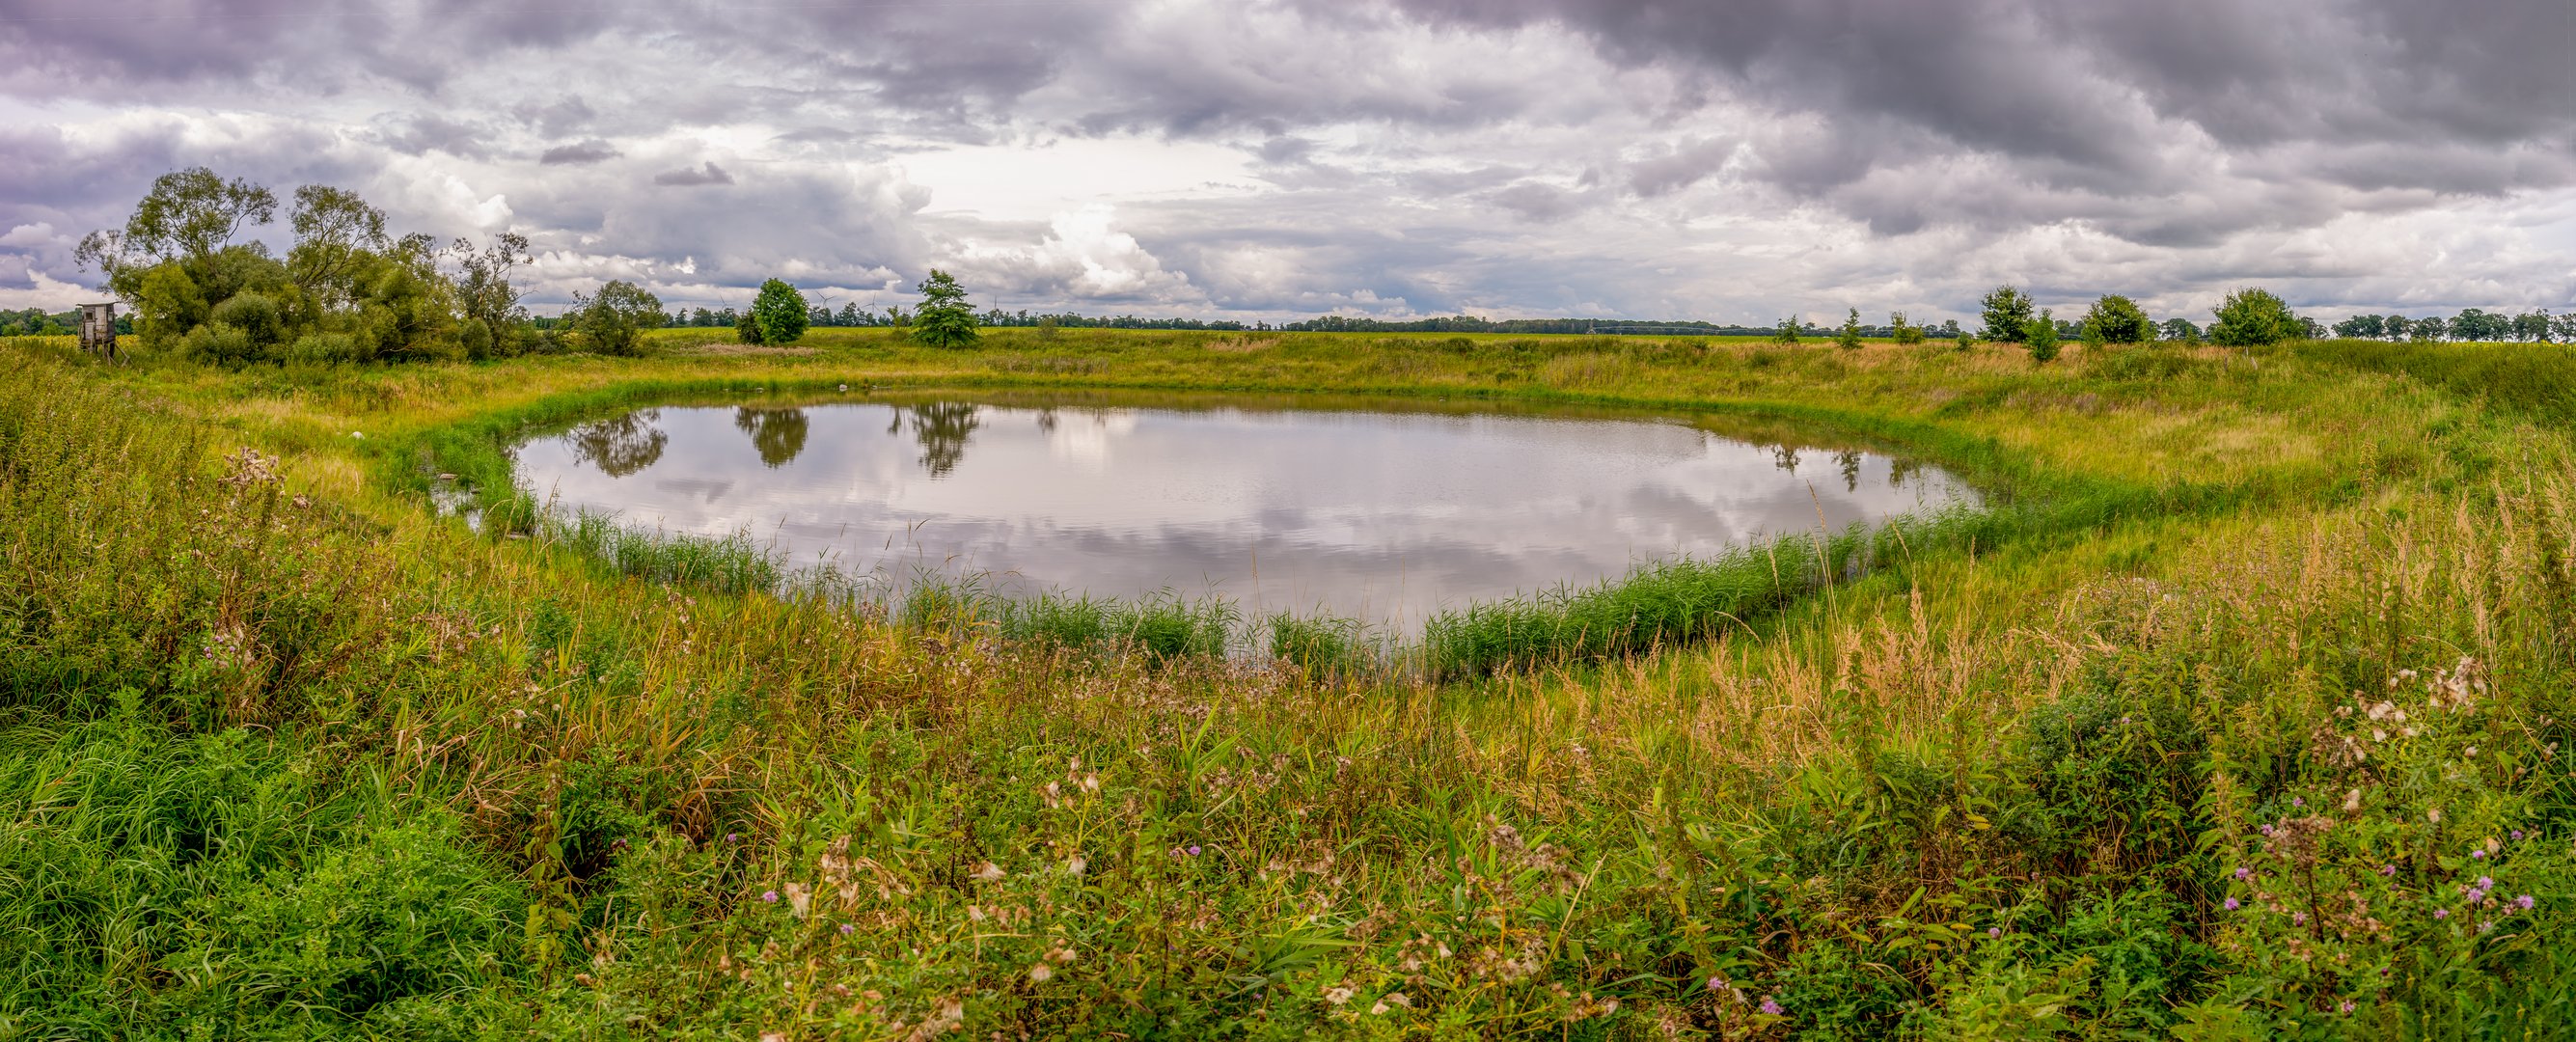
(2263, 740)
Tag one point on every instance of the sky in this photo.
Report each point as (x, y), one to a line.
(1724, 160)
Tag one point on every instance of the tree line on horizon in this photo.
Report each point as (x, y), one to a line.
(348, 290)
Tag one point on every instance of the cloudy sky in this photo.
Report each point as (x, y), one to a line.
(1730, 160)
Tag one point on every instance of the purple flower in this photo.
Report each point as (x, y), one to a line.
(2387, 870)
(729, 837)
(2479, 855)
(2524, 902)
(2267, 829)
(2485, 883)
(770, 896)
(2517, 835)
(1194, 850)
(846, 928)
(1769, 1006)
(1715, 983)
(2243, 872)
(2441, 913)
(2300, 918)
(2231, 904)
(2347, 1005)
(2298, 801)
(1997, 931)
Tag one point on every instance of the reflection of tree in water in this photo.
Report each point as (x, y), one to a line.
(1786, 457)
(779, 434)
(621, 445)
(1849, 461)
(1900, 471)
(943, 429)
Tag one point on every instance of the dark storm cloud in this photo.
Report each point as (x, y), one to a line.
(580, 153)
(710, 174)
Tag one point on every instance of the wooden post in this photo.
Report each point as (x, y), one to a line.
(98, 329)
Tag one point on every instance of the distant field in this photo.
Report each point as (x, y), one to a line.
(2237, 715)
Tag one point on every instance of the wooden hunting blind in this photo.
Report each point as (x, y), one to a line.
(98, 329)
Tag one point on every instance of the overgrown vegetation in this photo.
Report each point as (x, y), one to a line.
(2243, 718)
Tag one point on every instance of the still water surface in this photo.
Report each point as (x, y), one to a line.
(1387, 516)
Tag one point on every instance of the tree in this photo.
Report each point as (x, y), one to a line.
(944, 319)
(2115, 319)
(2251, 317)
(334, 230)
(1903, 332)
(2007, 315)
(2479, 324)
(2181, 331)
(2361, 327)
(1786, 332)
(1966, 339)
(2562, 328)
(188, 215)
(613, 323)
(488, 302)
(2532, 326)
(1848, 337)
(780, 313)
(2041, 336)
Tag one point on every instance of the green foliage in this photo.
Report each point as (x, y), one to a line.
(779, 313)
(944, 319)
(2041, 337)
(2252, 318)
(1848, 337)
(1905, 333)
(613, 322)
(1786, 333)
(2007, 314)
(2116, 319)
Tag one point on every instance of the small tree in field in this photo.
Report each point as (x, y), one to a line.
(1786, 333)
(2252, 317)
(1966, 339)
(613, 323)
(2115, 319)
(1905, 333)
(779, 314)
(2007, 315)
(2041, 337)
(944, 319)
(1848, 337)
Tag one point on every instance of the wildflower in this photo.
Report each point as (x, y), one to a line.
(2478, 854)
(2243, 872)
(1994, 931)
(2484, 927)
(2524, 902)
(1340, 995)
(2434, 815)
(2231, 904)
(1041, 972)
(731, 836)
(2298, 801)
(989, 872)
(1194, 850)
(2299, 918)
(2267, 829)
(2441, 913)
(2347, 1005)
(1715, 983)
(2517, 835)
(2485, 883)
(846, 929)
(1770, 1006)
(770, 896)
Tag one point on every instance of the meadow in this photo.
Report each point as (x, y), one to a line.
(2235, 715)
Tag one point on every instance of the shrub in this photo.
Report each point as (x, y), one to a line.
(779, 312)
(613, 323)
(2251, 318)
(2041, 337)
(2007, 315)
(2116, 319)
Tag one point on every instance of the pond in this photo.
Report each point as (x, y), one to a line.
(1387, 513)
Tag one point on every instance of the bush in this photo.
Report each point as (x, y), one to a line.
(2007, 315)
(778, 315)
(2252, 318)
(613, 323)
(2041, 337)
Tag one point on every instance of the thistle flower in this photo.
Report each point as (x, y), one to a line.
(2231, 904)
(2517, 835)
(2524, 902)
(2243, 872)
(1194, 850)
(1770, 1006)
(770, 896)
(2388, 870)
(847, 929)
(2441, 913)
(2478, 855)
(1994, 931)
